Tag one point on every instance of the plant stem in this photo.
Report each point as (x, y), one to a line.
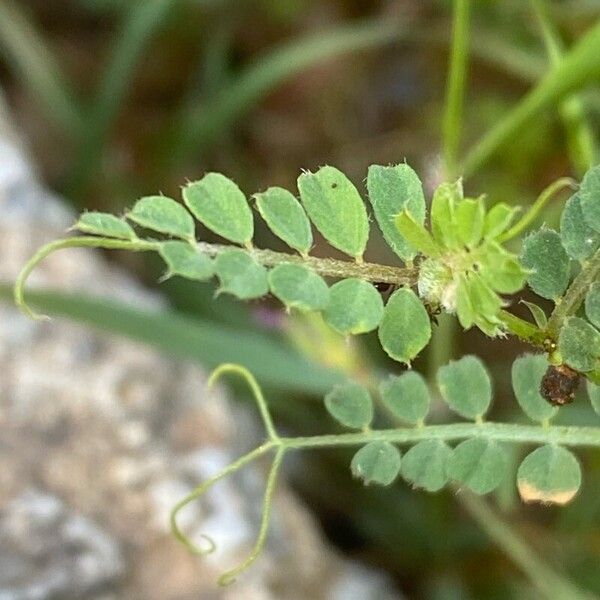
(525, 331)
(455, 87)
(500, 432)
(575, 295)
(543, 576)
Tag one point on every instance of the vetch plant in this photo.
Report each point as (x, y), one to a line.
(458, 264)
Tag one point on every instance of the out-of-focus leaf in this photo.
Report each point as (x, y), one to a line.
(298, 287)
(350, 404)
(377, 462)
(184, 260)
(424, 465)
(527, 373)
(406, 396)
(592, 304)
(240, 275)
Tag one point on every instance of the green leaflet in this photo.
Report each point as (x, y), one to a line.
(579, 344)
(393, 189)
(466, 387)
(527, 373)
(469, 216)
(498, 220)
(592, 304)
(501, 270)
(406, 396)
(589, 194)
(355, 307)
(286, 218)
(164, 215)
(479, 464)
(543, 254)
(106, 225)
(405, 328)
(377, 462)
(593, 391)
(298, 287)
(336, 208)
(219, 204)
(550, 475)
(578, 238)
(424, 465)
(350, 404)
(539, 316)
(184, 260)
(416, 235)
(240, 275)
(443, 217)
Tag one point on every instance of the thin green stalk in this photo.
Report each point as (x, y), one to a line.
(546, 578)
(580, 136)
(201, 125)
(455, 88)
(579, 67)
(35, 63)
(525, 331)
(575, 295)
(140, 24)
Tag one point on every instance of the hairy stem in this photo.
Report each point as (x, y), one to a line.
(575, 295)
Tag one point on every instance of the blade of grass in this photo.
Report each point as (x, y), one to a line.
(140, 23)
(198, 126)
(578, 68)
(580, 136)
(271, 361)
(34, 62)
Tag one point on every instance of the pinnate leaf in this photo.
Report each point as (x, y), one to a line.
(479, 464)
(544, 255)
(164, 215)
(405, 328)
(219, 204)
(392, 190)
(578, 238)
(350, 404)
(336, 208)
(355, 307)
(579, 344)
(592, 304)
(527, 373)
(286, 218)
(106, 225)
(406, 396)
(465, 386)
(424, 465)
(240, 275)
(377, 462)
(549, 475)
(184, 260)
(589, 194)
(298, 287)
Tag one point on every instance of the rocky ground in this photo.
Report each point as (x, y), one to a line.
(99, 437)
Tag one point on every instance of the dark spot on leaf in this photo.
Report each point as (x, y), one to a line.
(334, 185)
(559, 385)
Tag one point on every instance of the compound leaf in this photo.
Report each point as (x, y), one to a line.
(298, 287)
(406, 396)
(589, 194)
(164, 215)
(184, 260)
(336, 208)
(579, 344)
(405, 328)
(550, 475)
(546, 259)
(424, 465)
(240, 275)
(465, 386)
(393, 189)
(377, 462)
(219, 204)
(350, 404)
(106, 225)
(527, 373)
(593, 391)
(592, 304)
(355, 307)
(578, 238)
(479, 464)
(286, 218)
